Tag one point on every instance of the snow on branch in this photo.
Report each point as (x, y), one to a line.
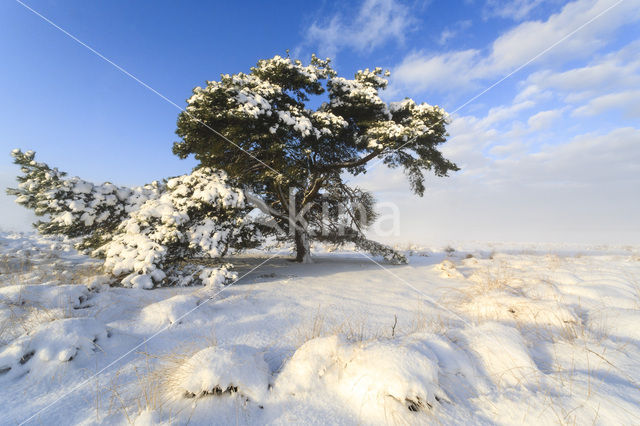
(142, 232)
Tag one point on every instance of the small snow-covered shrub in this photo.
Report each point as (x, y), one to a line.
(170, 311)
(54, 342)
(377, 376)
(217, 370)
(448, 269)
(143, 233)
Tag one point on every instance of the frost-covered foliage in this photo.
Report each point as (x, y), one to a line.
(291, 143)
(73, 206)
(195, 217)
(143, 233)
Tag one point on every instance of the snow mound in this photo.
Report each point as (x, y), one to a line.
(149, 417)
(24, 307)
(502, 352)
(46, 296)
(447, 269)
(53, 343)
(170, 310)
(216, 370)
(527, 312)
(375, 377)
(618, 324)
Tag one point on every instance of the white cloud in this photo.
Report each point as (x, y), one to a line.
(501, 113)
(513, 9)
(607, 83)
(587, 160)
(437, 72)
(446, 35)
(520, 179)
(615, 71)
(471, 136)
(534, 93)
(543, 119)
(519, 45)
(626, 102)
(377, 22)
(582, 190)
(451, 32)
(528, 39)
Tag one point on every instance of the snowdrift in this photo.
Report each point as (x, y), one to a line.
(50, 344)
(217, 370)
(374, 377)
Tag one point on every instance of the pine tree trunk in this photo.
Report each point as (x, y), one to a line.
(303, 250)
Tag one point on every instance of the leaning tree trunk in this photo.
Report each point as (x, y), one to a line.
(303, 250)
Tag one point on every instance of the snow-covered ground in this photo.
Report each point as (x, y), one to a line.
(483, 334)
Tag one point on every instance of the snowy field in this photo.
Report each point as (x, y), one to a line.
(482, 334)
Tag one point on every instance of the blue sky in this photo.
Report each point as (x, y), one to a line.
(551, 153)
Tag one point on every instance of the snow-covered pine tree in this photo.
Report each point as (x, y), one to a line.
(296, 155)
(157, 234)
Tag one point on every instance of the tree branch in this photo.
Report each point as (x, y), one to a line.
(315, 188)
(354, 163)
